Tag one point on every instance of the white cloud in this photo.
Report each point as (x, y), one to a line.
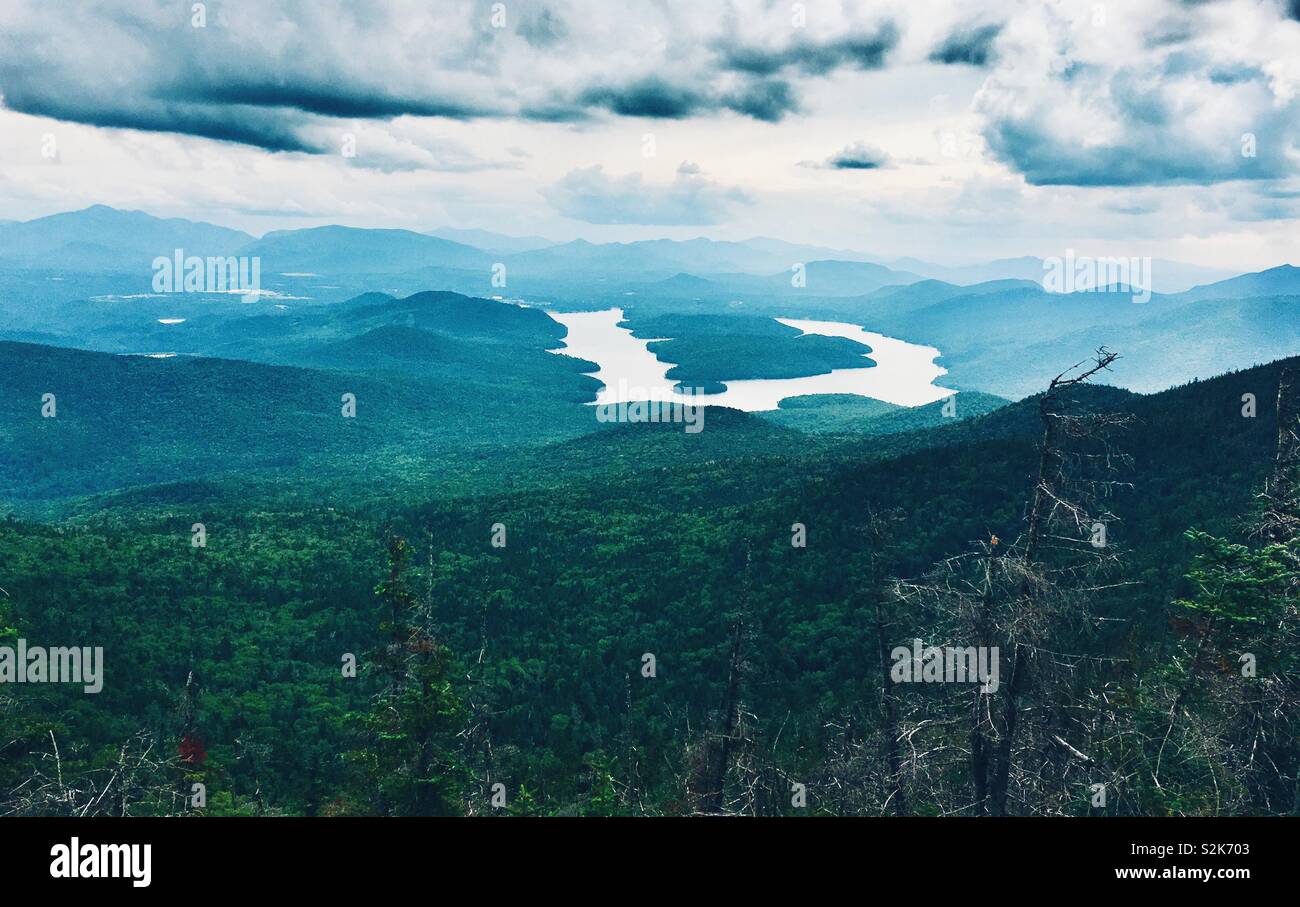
(1057, 127)
(589, 194)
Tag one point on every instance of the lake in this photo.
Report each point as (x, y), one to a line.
(904, 373)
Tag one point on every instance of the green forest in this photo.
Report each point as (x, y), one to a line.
(638, 621)
(872, 410)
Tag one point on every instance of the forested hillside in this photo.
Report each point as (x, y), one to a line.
(630, 625)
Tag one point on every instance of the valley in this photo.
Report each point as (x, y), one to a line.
(863, 441)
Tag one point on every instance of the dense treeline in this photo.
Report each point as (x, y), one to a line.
(709, 350)
(645, 637)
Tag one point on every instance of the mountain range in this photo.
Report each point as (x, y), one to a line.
(100, 237)
(358, 438)
(82, 279)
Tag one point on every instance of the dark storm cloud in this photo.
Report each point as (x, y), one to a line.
(324, 98)
(856, 161)
(556, 110)
(972, 46)
(768, 100)
(281, 77)
(858, 156)
(237, 123)
(1045, 160)
(274, 80)
(857, 51)
(650, 97)
(131, 71)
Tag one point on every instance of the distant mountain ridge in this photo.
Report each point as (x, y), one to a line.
(101, 237)
(352, 249)
(493, 242)
(1283, 280)
(104, 237)
(1166, 276)
(92, 290)
(666, 257)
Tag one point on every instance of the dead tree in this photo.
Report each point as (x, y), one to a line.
(1026, 600)
(139, 782)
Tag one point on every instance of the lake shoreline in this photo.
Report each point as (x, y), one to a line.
(903, 373)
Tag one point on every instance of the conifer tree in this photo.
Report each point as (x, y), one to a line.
(409, 762)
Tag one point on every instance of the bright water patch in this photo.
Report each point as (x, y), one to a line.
(904, 373)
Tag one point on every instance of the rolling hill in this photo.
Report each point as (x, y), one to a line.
(100, 238)
(331, 250)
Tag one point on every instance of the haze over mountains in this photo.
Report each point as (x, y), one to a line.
(100, 237)
(84, 279)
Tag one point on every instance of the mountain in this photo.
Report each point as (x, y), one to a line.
(464, 317)
(1023, 268)
(1009, 337)
(422, 401)
(846, 278)
(979, 321)
(794, 252)
(1166, 276)
(684, 285)
(40, 240)
(913, 296)
(665, 257)
(1181, 344)
(1282, 280)
(493, 242)
(819, 279)
(104, 238)
(331, 250)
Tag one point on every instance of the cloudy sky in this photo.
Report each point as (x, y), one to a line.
(950, 130)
